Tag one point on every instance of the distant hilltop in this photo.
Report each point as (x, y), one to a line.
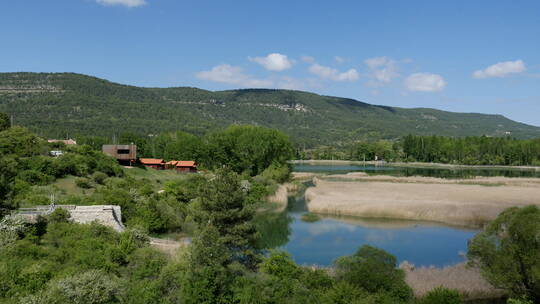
(58, 105)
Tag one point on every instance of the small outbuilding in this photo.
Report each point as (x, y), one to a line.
(155, 163)
(186, 166)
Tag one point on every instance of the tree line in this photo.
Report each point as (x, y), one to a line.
(472, 150)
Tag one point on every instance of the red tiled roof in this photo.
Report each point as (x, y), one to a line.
(172, 162)
(151, 161)
(186, 163)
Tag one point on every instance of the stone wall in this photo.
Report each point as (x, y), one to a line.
(108, 215)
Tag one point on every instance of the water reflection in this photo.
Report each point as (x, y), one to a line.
(321, 242)
(417, 171)
(420, 243)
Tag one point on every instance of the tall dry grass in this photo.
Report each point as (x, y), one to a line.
(467, 280)
(417, 198)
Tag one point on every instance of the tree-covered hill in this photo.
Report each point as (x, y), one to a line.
(66, 105)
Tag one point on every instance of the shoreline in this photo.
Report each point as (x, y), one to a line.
(411, 164)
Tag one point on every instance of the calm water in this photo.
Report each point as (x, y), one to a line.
(420, 243)
(321, 242)
(416, 171)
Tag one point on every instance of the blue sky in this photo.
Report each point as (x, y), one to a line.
(466, 56)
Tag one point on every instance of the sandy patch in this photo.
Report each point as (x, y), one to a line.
(466, 202)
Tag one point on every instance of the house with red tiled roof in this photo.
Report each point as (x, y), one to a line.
(186, 166)
(155, 163)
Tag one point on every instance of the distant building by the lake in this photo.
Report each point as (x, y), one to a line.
(64, 141)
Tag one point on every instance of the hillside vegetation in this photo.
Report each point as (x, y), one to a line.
(66, 105)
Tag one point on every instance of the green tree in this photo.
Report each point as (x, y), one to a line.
(374, 270)
(508, 252)
(5, 121)
(223, 204)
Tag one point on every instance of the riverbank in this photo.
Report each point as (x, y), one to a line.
(463, 202)
(410, 164)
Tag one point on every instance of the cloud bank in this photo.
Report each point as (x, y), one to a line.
(226, 73)
(382, 69)
(274, 62)
(500, 69)
(333, 74)
(425, 82)
(128, 3)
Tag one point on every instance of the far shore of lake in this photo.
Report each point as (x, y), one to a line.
(409, 164)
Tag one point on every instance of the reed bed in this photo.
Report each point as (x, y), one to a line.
(456, 202)
(467, 280)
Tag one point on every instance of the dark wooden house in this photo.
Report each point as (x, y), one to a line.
(125, 154)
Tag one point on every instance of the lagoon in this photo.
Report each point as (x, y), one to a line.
(420, 243)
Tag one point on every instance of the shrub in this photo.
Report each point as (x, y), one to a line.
(11, 229)
(91, 287)
(83, 182)
(99, 177)
(59, 215)
(279, 173)
(35, 177)
(374, 270)
(441, 295)
(281, 265)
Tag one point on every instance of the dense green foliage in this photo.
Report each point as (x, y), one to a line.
(441, 295)
(5, 121)
(508, 252)
(244, 149)
(68, 105)
(375, 271)
(472, 150)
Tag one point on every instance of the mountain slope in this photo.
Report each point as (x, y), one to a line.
(66, 104)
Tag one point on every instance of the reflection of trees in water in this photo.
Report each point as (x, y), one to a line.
(273, 228)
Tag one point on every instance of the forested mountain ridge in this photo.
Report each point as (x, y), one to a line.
(67, 104)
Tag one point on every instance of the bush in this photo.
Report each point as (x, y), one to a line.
(508, 252)
(279, 173)
(59, 215)
(374, 270)
(91, 287)
(99, 177)
(441, 295)
(83, 182)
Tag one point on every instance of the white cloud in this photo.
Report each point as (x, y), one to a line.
(229, 74)
(425, 82)
(307, 59)
(382, 69)
(333, 74)
(128, 3)
(501, 69)
(274, 62)
(339, 59)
